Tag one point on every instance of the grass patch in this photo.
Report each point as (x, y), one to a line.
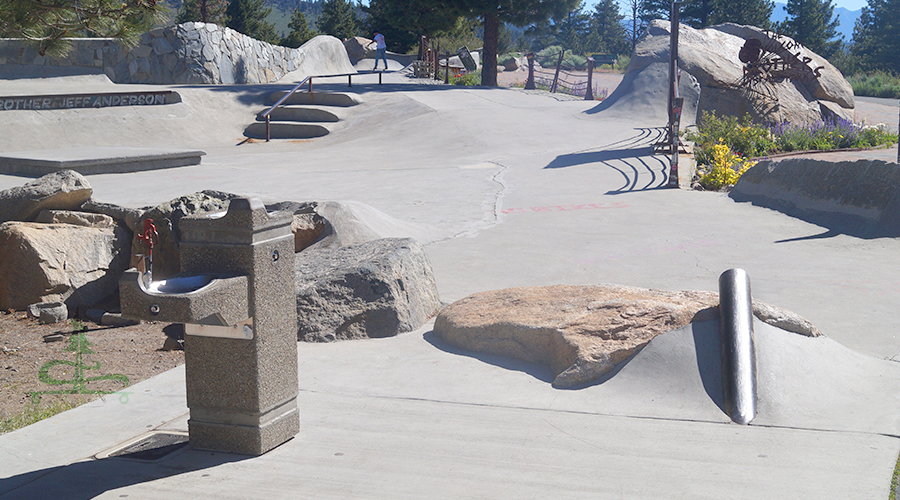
(894, 480)
(877, 84)
(32, 414)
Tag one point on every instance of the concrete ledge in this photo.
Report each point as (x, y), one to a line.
(861, 198)
(97, 160)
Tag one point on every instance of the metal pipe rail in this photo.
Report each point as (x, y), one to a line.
(309, 80)
(738, 349)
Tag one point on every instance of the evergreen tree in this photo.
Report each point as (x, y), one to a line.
(48, 23)
(654, 9)
(749, 12)
(607, 29)
(696, 13)
(338, 19)
(573, 30)
(300, 32)
(402, 22)
(875, 40)
(515, 12)
(634, 24)
(249, 17)
(814, 25)
(207, 11)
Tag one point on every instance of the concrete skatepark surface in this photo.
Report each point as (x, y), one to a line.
(506, 188)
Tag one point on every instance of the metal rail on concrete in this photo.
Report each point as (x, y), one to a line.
(738, 350)
(309, 80)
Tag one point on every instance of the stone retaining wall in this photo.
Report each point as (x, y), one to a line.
(190, 53)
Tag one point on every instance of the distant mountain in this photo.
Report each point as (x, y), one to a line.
(847, 19)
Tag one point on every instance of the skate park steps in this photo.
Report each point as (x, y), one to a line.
(305, 115)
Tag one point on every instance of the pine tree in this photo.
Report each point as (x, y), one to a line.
(634, 25)
(749, 12)
(338, 19)
(206, 11)
(300, 32)
(249, 17)
(875, 40)
(514, 12)
(696, 13)
(814, 25)
(402, 22)
(48, 23)
(606, 28)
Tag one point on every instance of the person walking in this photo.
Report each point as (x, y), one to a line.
(380, 50)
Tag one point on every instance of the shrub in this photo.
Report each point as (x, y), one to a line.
(742, 137)
(724, 169)
(548, 57)
(468, 79)
(877, 84)
(623, 61)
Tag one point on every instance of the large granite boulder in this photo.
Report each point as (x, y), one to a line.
(712, 73)
(359, 48)
(76, 265)
(62, 190)
(581, 332)
(375, 289)
(166, 218)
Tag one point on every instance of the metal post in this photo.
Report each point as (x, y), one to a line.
(349, 81)
(589, 92)
(529, 84)
(310, 85)
(446, 68)
(556, 76)
(673, 92)
(437, 62)
(268, 129)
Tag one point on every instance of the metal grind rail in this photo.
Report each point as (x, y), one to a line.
(738, 349)
(309, 81)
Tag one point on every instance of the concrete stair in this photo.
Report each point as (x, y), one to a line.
(304, 115)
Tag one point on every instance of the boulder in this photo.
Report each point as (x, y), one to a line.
(75, 265)
(307, 225)
(85, 219)
(579, 332)
(48, 312)
(709, 57)
(359, 48)
(62, 190)
(128, 216)
(375, 289)
(350, 223)
(166, 217)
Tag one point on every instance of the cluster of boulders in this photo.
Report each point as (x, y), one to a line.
(59, 246)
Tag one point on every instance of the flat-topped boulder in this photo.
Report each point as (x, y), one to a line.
(582, 332)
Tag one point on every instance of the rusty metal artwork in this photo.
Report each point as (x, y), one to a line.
(775, 58)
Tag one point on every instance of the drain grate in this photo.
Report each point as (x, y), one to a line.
(152, 447)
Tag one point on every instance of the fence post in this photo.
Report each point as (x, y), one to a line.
(446, 68)
(589, 92)
(529, 84)
(556, 76)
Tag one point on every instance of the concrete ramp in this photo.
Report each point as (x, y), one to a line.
(803, 382)
(860, 198)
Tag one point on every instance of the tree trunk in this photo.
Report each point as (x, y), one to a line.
(489, 55)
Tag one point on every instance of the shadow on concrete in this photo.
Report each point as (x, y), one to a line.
(92, 478)
(709, 360)
(633, 163)
(537, 371)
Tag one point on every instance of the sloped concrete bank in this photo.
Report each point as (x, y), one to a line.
(860, 198)
(189, 53)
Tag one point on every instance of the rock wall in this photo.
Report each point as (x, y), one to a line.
(189, 53)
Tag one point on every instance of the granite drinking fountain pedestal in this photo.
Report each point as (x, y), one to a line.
(235, 296)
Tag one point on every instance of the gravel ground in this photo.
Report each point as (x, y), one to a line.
(115, 354)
